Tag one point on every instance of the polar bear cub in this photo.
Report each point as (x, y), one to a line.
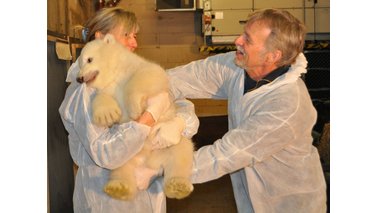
(123, 82)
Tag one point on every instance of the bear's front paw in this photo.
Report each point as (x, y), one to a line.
(120, 190)
(106, 110)
(178, 187)
(106, 115)
(134, 111)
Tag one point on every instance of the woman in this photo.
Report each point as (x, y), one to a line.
(97, 150)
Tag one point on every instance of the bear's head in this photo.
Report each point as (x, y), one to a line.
(98, 62)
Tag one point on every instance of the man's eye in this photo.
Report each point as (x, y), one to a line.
(247, 39)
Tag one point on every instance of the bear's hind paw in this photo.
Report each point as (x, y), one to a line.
(119, 190)
(178, 187)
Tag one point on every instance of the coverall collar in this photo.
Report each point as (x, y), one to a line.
(250, 84)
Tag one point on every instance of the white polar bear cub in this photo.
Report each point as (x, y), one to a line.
(123, 82)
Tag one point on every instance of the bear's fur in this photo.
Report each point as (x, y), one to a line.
(123, 82)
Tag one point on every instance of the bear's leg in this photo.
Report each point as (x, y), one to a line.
(122, 183)
(136, 104)
(178, 170)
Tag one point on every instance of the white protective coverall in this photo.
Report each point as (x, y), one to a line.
(97, 150)
(268, 149)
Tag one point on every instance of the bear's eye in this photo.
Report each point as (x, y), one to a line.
(89, 60)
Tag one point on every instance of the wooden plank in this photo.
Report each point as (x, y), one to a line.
(79, 11)
(209, 107)
(56, 16)
(68, 16)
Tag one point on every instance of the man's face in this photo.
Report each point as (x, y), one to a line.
(251, 52)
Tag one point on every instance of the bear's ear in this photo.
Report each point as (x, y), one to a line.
(109, 39)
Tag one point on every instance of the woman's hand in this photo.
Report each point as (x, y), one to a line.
(146, 119)
(156, 106)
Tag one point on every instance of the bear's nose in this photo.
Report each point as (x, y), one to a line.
(80, 79)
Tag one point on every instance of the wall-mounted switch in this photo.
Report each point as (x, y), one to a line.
(206, 5)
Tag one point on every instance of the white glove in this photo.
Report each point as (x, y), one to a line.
(158, 104)
(167, 133)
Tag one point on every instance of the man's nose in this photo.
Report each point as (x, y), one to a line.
(239, 40)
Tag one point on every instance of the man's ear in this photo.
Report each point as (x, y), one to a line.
(274, 56)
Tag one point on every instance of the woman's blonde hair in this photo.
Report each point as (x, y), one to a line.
(287, 33)
(107, 19)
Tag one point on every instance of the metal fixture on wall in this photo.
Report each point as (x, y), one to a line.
(176, 5)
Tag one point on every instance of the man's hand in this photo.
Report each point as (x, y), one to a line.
(167, 133)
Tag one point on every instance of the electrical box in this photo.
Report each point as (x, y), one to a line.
(223, 20)
(231, 4)
(227, 25)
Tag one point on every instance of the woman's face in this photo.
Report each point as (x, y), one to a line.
(128, 40)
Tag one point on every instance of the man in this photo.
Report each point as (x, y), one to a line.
(268, 149)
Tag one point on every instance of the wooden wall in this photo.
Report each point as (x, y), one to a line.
(168, 38)
(66, 16)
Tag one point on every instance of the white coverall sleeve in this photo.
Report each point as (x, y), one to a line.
(248, 143)
(108, 147)
(200, 79)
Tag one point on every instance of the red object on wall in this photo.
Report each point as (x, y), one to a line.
(103, 3)
(112, 3)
